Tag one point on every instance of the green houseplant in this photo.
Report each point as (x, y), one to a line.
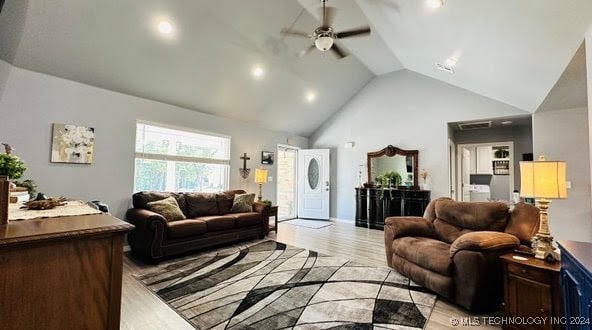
(11, 166)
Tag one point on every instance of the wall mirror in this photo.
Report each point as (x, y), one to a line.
(393, 159)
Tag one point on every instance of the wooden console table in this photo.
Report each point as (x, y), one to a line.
(374, 205)
(62, 273)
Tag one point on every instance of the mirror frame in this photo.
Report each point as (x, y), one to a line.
(391, 151)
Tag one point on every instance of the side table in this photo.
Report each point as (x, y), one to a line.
(273, 213)
(531, 289)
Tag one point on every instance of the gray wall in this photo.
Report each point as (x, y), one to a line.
(4, 73)
(520, 135)
(563, 135)
(33, 101)
(407, 110)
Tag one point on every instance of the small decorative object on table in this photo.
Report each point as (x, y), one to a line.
(45, 204)
(424, 175)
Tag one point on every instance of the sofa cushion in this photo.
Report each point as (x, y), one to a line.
(225, 199)
(425, 252)
(201, 204)
(524, 222)
(247, 219)
(243, 203)
(186, 228)
(142, 198)
(168, 208)
(218, 222)
(473, 215)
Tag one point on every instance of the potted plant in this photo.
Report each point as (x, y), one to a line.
(11, 166)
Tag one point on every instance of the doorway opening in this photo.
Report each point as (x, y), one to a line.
(287, 189)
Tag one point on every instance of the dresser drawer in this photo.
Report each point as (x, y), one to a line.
(530, 273)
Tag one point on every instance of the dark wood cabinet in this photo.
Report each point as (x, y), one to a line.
(374, 205)
(576, 283)
(531, 289)
(62, 273)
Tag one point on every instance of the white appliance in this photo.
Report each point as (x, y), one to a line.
(479, 193)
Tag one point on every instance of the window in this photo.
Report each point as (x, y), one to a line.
(169, 159)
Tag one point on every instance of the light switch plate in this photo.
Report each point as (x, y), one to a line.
(270, 178)
(568, 184)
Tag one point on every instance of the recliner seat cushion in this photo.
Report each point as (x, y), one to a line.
(247, 219)
(425, 252)
(201, 204)
(186, 228)
(218, 222)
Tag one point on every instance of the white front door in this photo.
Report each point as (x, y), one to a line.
(313, 184)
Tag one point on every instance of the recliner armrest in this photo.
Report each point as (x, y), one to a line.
(408, 226)
(485, 241)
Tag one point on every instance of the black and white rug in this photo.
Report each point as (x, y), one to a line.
(271, 285)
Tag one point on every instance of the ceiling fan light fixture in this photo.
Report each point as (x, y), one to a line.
(323, 43)
(434, 4)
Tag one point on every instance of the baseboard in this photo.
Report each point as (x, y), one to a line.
(342, 220)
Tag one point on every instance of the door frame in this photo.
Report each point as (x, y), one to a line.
(452, 161)
(485, 144)
(297, 149)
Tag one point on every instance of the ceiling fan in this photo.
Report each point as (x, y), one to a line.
(324, 36)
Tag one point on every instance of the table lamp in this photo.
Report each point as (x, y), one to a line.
(260, 178)
(543, 180)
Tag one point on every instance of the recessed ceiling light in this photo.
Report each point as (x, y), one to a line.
(258, 71)
(310, 96)
(506, 122)
(451, 61)
(165, 27)
(434, 4)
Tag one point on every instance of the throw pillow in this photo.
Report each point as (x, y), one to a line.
(243, 203)
(168, 208)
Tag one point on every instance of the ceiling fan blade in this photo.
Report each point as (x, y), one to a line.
(288, 32)
(305, 51)
(327, 13)
(340, 53)
(353, 33)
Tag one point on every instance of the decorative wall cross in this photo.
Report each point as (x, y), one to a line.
(244, 172)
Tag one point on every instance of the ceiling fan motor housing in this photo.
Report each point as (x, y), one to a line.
(324, 38)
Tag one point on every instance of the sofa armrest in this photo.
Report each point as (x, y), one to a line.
(147, 237)
(484, 241)
(265, 211)
(408, 226)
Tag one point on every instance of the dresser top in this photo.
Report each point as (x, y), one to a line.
(581, 251)
(26, 231)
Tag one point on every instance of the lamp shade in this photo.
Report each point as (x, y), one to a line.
(543, 179)
(260, 175)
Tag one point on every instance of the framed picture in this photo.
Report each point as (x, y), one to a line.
(72, 144)
(267, 157)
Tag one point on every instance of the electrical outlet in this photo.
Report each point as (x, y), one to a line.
(270, 178)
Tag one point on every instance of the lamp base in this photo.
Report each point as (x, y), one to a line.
(542, 246)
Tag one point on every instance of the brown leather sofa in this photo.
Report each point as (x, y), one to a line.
(454, 249)
(209, 223)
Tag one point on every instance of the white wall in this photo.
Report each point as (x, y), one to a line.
(563, 135)
(407, 110)
(5, 68)
(33, 101)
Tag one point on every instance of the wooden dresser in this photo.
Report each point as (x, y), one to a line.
(61, 273)
(576, 282)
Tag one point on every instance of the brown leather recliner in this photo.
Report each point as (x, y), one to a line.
(454, 249)
(209, 222)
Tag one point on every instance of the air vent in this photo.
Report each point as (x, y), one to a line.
(474, 125)
(445, 68)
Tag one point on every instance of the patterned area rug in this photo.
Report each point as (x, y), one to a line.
(271, 285)
(315, 224)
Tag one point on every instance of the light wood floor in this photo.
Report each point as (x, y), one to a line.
(143, 310)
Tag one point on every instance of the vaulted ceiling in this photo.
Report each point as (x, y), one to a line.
(508, 50)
